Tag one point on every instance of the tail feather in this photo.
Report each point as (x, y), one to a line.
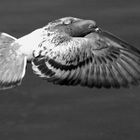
(12, 64)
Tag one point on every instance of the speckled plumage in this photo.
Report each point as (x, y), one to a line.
(97, 59)
(72, 51)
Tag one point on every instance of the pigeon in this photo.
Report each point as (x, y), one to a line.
(70, 51)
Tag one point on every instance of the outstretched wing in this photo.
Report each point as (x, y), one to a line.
(97, 60)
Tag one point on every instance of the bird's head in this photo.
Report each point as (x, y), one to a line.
(74, 27)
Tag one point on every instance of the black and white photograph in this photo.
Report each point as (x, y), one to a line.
(69, 70)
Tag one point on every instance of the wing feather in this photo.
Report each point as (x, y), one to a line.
(96, 60)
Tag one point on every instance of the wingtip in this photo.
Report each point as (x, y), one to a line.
(121, 42)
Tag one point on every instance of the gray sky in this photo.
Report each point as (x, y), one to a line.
(40, 110)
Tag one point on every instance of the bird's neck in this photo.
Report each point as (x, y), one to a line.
(58, 38)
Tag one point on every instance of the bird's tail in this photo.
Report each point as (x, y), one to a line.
(12, 63)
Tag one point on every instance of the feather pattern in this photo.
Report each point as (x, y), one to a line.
(99, 59)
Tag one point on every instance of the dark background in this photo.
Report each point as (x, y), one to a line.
(38, 110)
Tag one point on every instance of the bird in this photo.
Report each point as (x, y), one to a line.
(70, 51)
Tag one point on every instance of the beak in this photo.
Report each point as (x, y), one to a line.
(93, 27)
(98, 30)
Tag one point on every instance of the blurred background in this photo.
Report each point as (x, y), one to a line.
(39, 110)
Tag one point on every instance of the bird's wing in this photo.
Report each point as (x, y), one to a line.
(96, 60)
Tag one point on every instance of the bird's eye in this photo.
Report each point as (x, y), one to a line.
(68, 21)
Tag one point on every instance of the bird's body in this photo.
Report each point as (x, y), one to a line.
(30, 42)
(70, 51)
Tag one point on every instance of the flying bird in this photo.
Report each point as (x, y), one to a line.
(70, 51)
